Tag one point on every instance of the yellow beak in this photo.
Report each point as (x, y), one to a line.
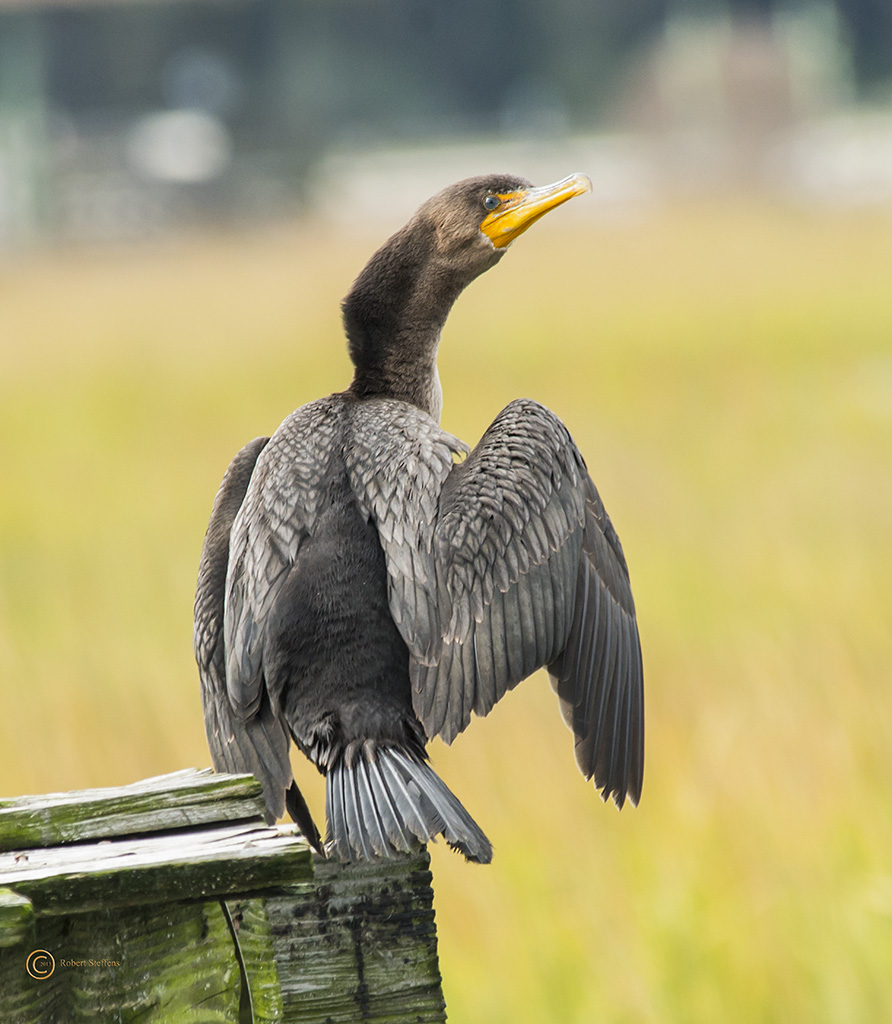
(518, 210)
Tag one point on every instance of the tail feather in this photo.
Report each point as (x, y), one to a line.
(404, 830)
(459, 828)
(391, 803)
(408, 808)
(337, 837)
(363, 822)
(375, 810)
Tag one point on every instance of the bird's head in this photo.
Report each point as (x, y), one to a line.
(475, 220)
(397, 306)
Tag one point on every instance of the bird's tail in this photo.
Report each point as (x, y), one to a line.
(389, 802)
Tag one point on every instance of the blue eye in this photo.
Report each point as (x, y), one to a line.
(491, 202)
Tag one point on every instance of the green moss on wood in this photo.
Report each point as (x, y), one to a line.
(231, 860)
(255, 940)
(186, 799)
(16, 918)
(361, 945)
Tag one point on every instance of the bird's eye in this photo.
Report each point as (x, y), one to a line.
(491, 202)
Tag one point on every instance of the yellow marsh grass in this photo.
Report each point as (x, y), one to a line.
(728, 372)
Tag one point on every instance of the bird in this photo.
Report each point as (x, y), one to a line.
(368, 581)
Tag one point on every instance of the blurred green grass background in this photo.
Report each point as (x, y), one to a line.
(727, 371)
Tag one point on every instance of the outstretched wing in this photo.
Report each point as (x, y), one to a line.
(280, 509)
(267, 505)
(257, 744)
(598, 676)
(518, 567)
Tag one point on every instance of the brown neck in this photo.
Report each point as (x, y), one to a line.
(393, 317)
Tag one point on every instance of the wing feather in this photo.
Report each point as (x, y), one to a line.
(258, 744)
(266, 504)
(279, 511)
(513, 564)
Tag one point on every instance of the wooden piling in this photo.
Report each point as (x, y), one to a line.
(172, 900)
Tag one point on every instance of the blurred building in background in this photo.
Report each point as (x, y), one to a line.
(124, 118)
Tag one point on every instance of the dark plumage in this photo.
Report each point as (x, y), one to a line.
(362, 588)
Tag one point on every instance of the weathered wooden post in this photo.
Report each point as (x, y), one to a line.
(172, 900)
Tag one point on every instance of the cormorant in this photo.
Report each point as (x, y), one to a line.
(367, 580)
